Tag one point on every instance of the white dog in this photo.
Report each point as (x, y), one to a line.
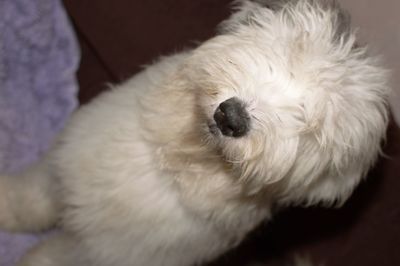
(175, 166)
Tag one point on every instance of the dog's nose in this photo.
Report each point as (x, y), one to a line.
(232, 118)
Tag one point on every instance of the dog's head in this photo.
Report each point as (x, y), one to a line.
(288, 97)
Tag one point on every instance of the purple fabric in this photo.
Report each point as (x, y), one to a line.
(38, 60)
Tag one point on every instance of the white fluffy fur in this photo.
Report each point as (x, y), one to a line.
(137, 178)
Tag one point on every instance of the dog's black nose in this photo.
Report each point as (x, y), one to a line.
(232, 118)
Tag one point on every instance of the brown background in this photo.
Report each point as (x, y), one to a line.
(118, 37)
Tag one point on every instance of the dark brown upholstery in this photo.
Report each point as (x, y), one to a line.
(118, 37)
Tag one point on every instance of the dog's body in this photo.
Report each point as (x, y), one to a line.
(175, 166)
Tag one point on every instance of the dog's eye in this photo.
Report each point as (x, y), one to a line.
(212, 92)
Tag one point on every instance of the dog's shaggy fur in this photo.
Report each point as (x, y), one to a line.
(145, 174)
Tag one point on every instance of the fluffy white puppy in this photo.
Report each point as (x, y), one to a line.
(176, 165)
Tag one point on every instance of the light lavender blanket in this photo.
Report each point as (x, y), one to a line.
(38, 60)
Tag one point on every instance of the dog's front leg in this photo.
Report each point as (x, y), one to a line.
(28, 201)
(59, 250)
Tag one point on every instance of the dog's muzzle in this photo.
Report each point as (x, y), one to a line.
(231, 118)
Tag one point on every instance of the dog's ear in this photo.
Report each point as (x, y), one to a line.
(345, 136)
